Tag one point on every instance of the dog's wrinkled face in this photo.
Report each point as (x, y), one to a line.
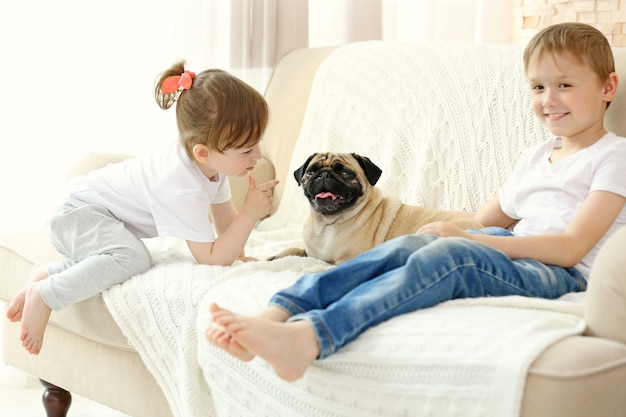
(333, 182)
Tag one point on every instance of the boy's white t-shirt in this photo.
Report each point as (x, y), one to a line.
(160, 194)
(546, 196)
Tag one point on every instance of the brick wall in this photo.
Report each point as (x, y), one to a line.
(609, 16)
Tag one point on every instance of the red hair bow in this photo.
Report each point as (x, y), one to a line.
(176, 83)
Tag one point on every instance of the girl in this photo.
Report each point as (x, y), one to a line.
(181, 191)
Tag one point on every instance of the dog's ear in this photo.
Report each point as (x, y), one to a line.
(372, 172)
(299, 173)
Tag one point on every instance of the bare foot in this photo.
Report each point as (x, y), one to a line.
(221, 339)
(37, 273)
(217, 336)
(34, 319)
(288, 347)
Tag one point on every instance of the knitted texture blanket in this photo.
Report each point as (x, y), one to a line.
(464, 357)
(446, 124)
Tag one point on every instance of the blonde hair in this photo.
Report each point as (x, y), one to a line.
(218, 110)
(584, 42)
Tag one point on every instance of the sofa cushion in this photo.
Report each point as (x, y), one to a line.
(19, 251)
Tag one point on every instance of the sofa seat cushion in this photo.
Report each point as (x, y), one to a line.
(19, 251)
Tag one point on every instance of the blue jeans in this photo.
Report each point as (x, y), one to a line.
(410, 273)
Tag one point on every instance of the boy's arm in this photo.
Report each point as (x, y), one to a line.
(491, 214)
(592, 221)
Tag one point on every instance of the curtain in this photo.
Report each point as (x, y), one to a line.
(242, 34)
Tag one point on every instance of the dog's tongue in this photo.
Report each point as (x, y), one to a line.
(326, 194)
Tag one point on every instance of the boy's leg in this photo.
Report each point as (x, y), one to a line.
(318, 291)
(446, 269)
(257, 332)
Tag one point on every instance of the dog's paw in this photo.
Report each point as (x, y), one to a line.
(288, 252)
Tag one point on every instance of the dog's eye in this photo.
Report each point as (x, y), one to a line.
(347, 174)
(341, 169)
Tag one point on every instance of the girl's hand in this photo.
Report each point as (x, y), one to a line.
(247, 259)
(259, 199)
(442, 229)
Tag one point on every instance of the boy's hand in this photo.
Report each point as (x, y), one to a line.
(442, 229)
(259, 199)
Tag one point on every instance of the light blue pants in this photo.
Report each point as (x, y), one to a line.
(410, 273)
(101, 252)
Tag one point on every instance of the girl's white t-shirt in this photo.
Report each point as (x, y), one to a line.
(160, 194)
(546, 196)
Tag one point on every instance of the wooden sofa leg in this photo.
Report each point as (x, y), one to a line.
(56, 400)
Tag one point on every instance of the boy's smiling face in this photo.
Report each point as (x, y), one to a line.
(567, 96)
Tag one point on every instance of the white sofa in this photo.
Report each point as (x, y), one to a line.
(446, 124)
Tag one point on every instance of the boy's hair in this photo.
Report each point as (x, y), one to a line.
(219, 110)
(584, 42)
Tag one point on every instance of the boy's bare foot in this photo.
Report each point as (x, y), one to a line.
(35, 317)
(37, 273)
(218, 337)
(221, 339)
(288, 347)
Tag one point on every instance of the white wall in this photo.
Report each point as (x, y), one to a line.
(77, 75)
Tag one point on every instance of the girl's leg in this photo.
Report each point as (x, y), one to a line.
(14, 311)
(103, 253)
(446, 269)
(107, 254)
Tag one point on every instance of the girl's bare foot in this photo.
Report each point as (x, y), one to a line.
(288, 347)
(37, 273)
(34, 319)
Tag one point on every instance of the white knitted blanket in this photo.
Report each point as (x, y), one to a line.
(445, 123)
(464, 357)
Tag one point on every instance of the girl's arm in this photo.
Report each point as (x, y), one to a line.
(566, 249)
(232, 231)
(232, 228)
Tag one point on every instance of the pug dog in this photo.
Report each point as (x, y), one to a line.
(349, 214)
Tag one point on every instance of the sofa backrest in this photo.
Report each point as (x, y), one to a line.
(287, 95)
(446, 123)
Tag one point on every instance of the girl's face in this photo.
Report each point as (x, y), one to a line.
(236, 162)
(567, 96)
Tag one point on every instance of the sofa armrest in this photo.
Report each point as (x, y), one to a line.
(605, 312)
